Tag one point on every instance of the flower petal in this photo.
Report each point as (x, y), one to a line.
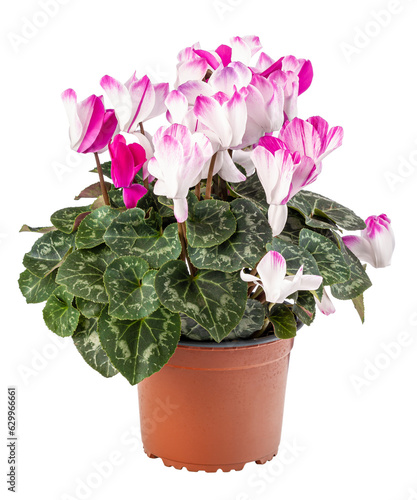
(91, 112)
(361, 247)
(301, 136)
(161, 92)
(132, 194)
(272, 269)
(237, 115)
(277, 218)
(191, 70)
(226, 169)
(177, 105)
(120, 98)
(122, 166)
(211, 114)
(193, 89)
(266, 169)
(69, 99)
(181, 209)
(325, 305)
(106, 133)
(143, 101)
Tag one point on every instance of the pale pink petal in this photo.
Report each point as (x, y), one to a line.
(213, 59)
(304, 174)
(277, 218)
(249, 278)
(120, 98)
(236, 114)
(310, 282)
(161, 93)
(361, 247)
(255, 103)
(240, 50)
(380, 235)
(211, 114)
(177, 105)
(253, 43)
(193, 89)
(322, 127)
(333, 141)
(301, 136)
(264, 62)
(180, 209)
(272, 269)
(69, 99)
(191, 70)
(225, 80)
(286, 168)
(325, 305)
(143, 101)
(188, 53)
(267, 170)
(133, 194)
(226, 169)
(244, 158)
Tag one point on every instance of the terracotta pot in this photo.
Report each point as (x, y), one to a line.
(216, 407)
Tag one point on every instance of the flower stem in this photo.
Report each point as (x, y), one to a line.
(145, 181)
(210, 177)
(198, 191)
(102, 183)
(182, 233)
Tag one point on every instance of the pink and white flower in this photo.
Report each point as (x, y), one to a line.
(325, 305)
(179, 159)
(376, 243)
(91, 125)
(136, 101)
(282, 175)
(272, 270)
(127, 160)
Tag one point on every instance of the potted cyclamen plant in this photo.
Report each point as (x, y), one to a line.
(202, 252)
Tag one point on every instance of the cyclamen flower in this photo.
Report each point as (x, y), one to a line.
(179, 159)
(376, 243)
(311, 138)
(277, 286)
(91, 125)
(282, 175)
(136, 101)
(127, 160)
(325, 305)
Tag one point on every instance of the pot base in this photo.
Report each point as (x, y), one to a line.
(209, 468)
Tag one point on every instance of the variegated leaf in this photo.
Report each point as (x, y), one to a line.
(283, 321)
(131, 288)
(209, 223)
(251, 190)
(47, 252)
(305, 307)
(82, 273)
(244, 248)
(59, 314)
(28, 229)
(359, 305)
(216, 300)
(296, 257)
(36, 289)
(129, 234)
(358, 280)
(87, 342)
(88, 308)
(91, 232)
(139, 348)
(192, 330)
(329, 258)
(68, 219)
(252, 321)
(291, 231)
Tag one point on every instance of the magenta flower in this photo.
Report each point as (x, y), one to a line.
(91, 125)
(136, 101)
(127, 160)
(376, 243)
(272, 270)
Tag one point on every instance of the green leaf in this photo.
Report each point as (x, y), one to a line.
(68, 219)
(216, 300)
(87, 342)
(251, 190)
(93, 191)
(192, 330)
(36, 289)
(82, 273)
(291, 231)
(27, 229)
(116, 198)
(88, 308)
(322, 212)
(59, 314)
(47, 252)
(129, 234)
(252, 321)
(296, 257)
(305, 307)
(139, 348)
(92, 229)
(359, 304)
(244, 248)
(329, 258)
(358, 281)
(131, 288)
(209, 223)
(283, 321)
(105, 167)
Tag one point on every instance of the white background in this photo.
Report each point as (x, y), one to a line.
(352, 440)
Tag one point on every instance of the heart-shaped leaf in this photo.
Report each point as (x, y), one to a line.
(59, 314)
(216, 300)
(252, 321)
(305, 307)
(68, 219)
(139, 348)
(88, 308)
(36, 289)
(91, 232)
(244, 248)
(131, 288)
(83, 271)
(87, 342)
(283, 321)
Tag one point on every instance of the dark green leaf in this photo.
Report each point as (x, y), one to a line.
(82, 273)
(36, 289)
(214, 299)
(68, 219)
(244, 248)
(90, 234)
(251, 190)
(27, 229)
(88, 308)
(192, 330)
(87, 342)
(59, 314)
(131, 288)
(359, 304)
(106, 168)
(139, 348)
(283, 321)
(305, 307)
(252, 321)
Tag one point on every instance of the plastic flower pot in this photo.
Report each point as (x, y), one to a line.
(216, 407)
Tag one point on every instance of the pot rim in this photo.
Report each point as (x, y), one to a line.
(230, 343)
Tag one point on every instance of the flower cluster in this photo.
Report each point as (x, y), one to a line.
(231, 115)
